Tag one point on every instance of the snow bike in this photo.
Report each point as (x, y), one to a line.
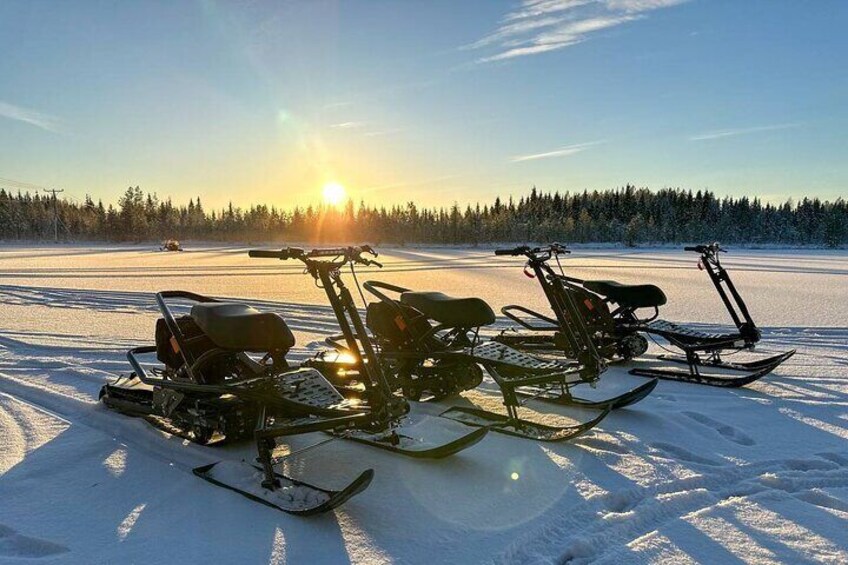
(609, 309)
(170, 245)
(566, 334)
(211, 390)
(431, 348)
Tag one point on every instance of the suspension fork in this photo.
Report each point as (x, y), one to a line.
(357, 340)
(742, 318)
(572, 325)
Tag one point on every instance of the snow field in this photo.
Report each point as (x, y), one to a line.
(691, 474)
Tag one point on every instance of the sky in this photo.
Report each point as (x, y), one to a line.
(433, 102)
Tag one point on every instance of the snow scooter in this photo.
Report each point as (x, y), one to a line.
(430, 345)
(566, 334)
(211, 390)
(610, 311)
(170, 245)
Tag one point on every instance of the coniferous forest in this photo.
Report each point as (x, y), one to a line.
(627, 215)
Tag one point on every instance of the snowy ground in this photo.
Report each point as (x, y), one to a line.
(690, 474)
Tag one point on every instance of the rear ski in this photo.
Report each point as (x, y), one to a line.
(774, 361)
(696, 377)
(289, 495)
(614, 403)
(514, 426)
(421, 443)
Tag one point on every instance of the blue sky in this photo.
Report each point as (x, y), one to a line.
(433, 102)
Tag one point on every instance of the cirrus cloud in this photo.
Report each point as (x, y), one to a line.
(540, 26)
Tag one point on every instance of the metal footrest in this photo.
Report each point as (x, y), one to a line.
(493, 352)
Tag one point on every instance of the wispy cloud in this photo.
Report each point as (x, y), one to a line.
(539, 26)
(718, 134)
(31, 117)
(561, 152)
(348, 125)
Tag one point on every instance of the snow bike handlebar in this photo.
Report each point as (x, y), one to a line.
(710, 249)
(347, 254)
(554, 249)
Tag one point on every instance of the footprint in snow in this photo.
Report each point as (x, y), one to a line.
(822, 499)
(620, 503)
(805, 465)
(677, 452)
(729, 432)
(840, 460)
(13, 544)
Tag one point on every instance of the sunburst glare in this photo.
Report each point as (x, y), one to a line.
(334, 193)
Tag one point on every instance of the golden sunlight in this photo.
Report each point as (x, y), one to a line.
(334, 193)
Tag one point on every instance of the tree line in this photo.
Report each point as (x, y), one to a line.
(628, 215)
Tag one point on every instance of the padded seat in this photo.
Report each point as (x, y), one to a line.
(631, 295)
(452, 312)
(242, 328)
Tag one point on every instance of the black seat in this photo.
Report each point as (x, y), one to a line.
(452, 312)
(242, 328)
(630, 295)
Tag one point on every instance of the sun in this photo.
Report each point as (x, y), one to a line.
(334, 193)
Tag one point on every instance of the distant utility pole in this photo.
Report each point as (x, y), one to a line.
(55, 212)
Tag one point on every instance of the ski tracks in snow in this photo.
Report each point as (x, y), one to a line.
(614, 526)
(689, 474)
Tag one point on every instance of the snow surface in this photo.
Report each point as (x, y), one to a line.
(691, 474)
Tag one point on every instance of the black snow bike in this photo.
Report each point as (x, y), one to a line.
(566, 334)
(430, 346)
(211, 390)
(609, 310)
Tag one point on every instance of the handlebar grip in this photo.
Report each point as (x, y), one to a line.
(514, 251)
(268, 254)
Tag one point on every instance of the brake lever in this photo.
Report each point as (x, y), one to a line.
(368, 262)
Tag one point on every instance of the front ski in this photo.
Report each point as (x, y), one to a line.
(757, 365)
(428, 438)
(625, 399)
(702, 379)
(292, 496)
(518, 427)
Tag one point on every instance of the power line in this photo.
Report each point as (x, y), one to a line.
(20, 184)
(55, 191)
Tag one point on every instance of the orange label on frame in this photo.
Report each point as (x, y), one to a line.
(400, 322)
